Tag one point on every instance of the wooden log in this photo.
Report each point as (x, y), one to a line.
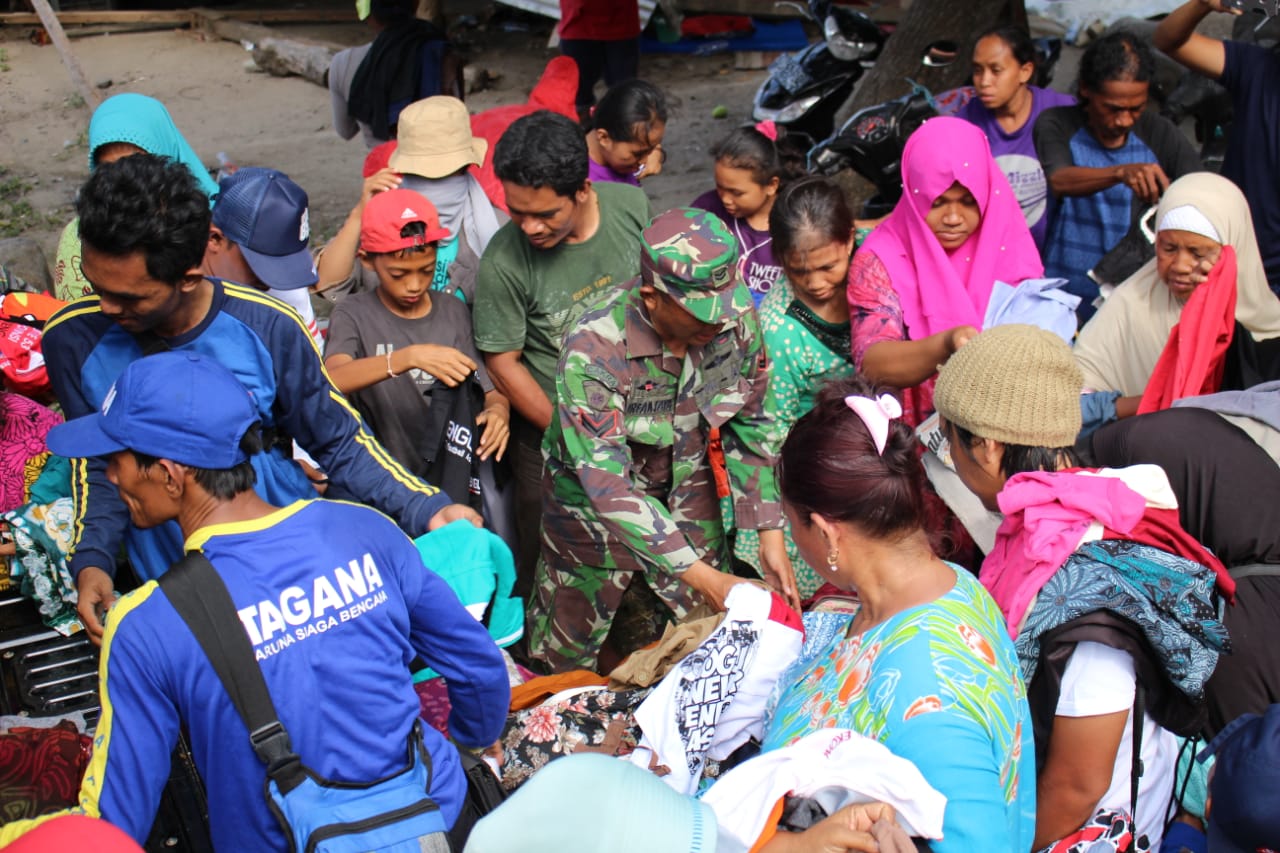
(280, 57)
(92, 97)
(116, 29)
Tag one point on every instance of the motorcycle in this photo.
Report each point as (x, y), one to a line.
(805, 89)
(872, 139)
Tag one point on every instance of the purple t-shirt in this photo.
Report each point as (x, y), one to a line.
(1015, 153)
(756, 265)
(600, 173)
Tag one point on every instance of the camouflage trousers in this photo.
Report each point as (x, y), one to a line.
(572, 610)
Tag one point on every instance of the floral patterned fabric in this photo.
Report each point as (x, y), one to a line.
(1105, 831)
(803, 361)
(23, 427)
(875, 315)
(42, 534)
(597, 721)
(944, 673)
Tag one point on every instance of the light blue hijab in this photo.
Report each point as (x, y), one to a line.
(144, 122)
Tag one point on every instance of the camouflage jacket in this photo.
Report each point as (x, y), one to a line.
(628, 484)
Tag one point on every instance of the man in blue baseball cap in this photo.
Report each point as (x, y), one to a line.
(144, 228)
(334, 599)
(260, 237)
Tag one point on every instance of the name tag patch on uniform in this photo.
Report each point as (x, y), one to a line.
(651, 399)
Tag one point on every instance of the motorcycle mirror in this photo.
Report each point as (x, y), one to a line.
(940, 54)
(842, 48)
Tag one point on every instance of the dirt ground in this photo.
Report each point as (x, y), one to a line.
(221, 104)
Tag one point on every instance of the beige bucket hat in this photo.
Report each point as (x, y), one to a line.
(434, 138)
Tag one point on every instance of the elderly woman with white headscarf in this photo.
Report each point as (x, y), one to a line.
(1199, 214)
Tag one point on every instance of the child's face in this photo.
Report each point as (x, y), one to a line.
(741, 196)
(406, 280)
(626, 156)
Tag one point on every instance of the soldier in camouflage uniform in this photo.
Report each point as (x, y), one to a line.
(629, 493)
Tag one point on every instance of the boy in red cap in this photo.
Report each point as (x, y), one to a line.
(391, 349)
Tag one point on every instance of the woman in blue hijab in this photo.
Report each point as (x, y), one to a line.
(123, 125)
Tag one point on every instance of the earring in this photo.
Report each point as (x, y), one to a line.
(832, 557)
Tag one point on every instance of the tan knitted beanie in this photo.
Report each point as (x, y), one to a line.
(1016, 384)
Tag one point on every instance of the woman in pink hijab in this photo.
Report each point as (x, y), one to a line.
(919, 285)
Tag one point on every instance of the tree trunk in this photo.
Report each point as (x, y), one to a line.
(926, 22)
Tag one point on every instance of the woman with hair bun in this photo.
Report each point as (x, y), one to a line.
(925, 661)
(805, 317)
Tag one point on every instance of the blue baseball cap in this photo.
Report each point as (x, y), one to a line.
(265, 214)
(173, 405)
(1244, 815)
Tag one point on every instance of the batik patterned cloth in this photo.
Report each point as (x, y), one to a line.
(941, 673)
(42, 534)
(1169, 597)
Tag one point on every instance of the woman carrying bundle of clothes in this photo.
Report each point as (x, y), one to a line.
(1112, 604)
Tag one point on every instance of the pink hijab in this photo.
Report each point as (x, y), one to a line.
(940, 290)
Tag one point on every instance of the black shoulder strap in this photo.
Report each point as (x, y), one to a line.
(1136, 769)
(195, 590)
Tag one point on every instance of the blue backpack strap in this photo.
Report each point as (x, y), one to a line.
(197, 592)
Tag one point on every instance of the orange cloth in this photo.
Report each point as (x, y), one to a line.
(770, 826)
(1194, 356)
(30, 308)
(535, 690)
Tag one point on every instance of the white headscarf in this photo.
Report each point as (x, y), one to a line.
(1119, 347)
(462, 205)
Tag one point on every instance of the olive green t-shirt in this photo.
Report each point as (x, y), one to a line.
(527, 298)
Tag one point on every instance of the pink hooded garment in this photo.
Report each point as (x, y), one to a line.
(939, 290)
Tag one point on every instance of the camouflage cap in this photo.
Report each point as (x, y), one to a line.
(690, 255)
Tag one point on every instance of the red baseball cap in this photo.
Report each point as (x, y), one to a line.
(386, 215)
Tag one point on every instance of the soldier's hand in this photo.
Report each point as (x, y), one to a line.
(447, 364)
(777, 568)
(711, 583)
(96, 592)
